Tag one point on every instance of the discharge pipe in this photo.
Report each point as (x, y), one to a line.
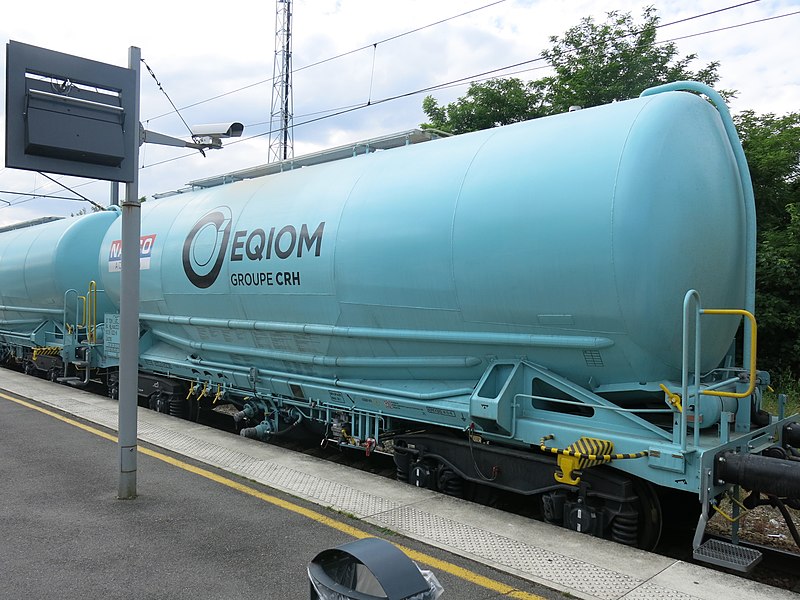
(771, 476)
(260, 432)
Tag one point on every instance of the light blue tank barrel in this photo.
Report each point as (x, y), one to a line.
(39, 264)
(569, 240)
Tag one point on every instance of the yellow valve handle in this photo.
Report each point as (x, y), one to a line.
(674, 399)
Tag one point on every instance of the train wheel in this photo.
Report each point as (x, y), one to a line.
(651, 517)
(29, 368)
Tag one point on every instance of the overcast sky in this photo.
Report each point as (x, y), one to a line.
(204, 49)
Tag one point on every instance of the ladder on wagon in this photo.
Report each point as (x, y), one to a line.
(721, 553)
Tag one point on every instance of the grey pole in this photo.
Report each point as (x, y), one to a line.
(114, 194)
(129, 312)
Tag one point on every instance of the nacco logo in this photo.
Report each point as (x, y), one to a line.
(210, 239)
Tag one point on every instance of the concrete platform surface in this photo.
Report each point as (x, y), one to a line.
(189, 536)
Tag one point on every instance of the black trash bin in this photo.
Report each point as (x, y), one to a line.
(369, 569)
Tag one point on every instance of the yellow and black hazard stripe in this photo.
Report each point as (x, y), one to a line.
(584, 453)
(46, 351)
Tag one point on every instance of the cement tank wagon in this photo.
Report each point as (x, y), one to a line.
(548, 307)
(49, 304)
(569, 240)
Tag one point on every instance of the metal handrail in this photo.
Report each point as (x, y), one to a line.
(753, 336)
(750, 354)
(91, 326)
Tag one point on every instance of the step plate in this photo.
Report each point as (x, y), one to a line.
(730, 556)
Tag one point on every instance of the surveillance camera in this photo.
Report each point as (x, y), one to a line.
(218, 130)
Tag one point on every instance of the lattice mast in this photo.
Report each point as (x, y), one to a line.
(281, 138)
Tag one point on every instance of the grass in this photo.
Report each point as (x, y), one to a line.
(783, 384)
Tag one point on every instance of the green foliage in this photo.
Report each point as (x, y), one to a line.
(772, 146)
(598, 63)
(594, 64)
(496, 102)
(85, 211)
(778, 294)
(783, 383)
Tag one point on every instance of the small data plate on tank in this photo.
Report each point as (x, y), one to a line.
(111, 335)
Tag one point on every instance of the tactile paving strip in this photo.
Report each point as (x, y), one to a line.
(325, 492)
(648, 591)
(541, 565)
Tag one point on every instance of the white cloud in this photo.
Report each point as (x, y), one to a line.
(207, 48)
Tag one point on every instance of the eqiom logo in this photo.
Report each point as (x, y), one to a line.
(248, 251)
(205, 247)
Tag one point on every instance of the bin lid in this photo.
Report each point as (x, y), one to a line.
(397, 574)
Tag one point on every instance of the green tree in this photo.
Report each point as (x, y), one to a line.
(491, 104)
(598, 63)
(772, 146)
(593, 63)
(778, 297)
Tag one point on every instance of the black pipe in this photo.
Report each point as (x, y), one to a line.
(261, 432)
(754, 472)
(788, 518)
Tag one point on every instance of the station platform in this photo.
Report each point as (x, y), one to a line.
(220, 516)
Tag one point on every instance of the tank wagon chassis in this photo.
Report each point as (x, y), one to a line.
(576, 404)
(502, 432)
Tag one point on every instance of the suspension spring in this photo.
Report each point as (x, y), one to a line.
(625, 529)
(178, 407)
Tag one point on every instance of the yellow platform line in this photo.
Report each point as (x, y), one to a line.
(419, 557)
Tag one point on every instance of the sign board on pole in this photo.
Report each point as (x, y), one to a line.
(69, 115)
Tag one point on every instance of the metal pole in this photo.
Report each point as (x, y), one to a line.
(114, 193)
(287, 85)
(129, 313)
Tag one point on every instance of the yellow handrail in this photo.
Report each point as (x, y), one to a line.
(749, 315)
(92, 312)
(82, 324)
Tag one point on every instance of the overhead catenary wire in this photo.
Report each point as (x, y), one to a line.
(338, 56)
(160, 87)
(486, 75)
(416, 30)
(492, 73)
(69, 189)
(34, 195)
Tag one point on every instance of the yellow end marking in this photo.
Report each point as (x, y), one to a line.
(419, 557)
